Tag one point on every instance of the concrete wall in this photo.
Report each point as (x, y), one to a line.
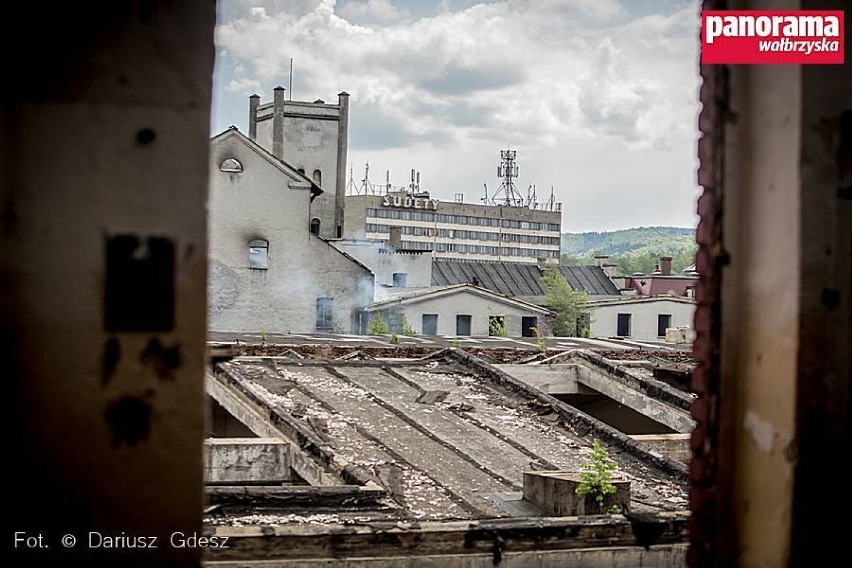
(467, 303)
(643, 321)
(555, 492)
(240, 461)
(103, 184)
(675, 446)
(310, 142)
(384, 263)
(259, 204)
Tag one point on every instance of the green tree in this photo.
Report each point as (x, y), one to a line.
(569, 306)
(377, 325)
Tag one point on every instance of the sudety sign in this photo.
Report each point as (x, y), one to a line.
(410, 202)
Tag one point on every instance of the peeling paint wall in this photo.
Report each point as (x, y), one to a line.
(104, 182)
(760, 302)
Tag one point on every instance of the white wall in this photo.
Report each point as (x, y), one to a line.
(417, 267)
(301, 267)
(467, 303)
(643, 320)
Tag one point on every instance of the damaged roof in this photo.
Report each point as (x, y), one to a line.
(443, 438)
(519, 279)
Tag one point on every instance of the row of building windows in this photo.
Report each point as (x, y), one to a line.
(409, 215)
(465, 234)
(494, 251)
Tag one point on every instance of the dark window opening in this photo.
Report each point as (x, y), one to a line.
(231, 166)
(664, 321)
(497, 326)
(259, 254)
(430, 324)
(315, 226)
(325, 314)
(463, 325)
(317, 177)
(399, 279)
(527, 325)
(623, 325)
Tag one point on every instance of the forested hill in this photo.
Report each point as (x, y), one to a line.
(633, 250)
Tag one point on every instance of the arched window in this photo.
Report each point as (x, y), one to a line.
(317, 177)
(231, 166)
(301, 171)
(258, 254)
(315, 226)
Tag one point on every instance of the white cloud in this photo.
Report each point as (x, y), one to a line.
(541, 75)
(376, 10)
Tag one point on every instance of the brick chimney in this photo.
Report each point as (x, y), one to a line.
(600, 259)
(666, 265)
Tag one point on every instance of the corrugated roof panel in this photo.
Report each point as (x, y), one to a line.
(519, 279)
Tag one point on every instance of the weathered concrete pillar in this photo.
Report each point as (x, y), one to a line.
(254, 102)
(103, 186)
(342, 150)
(278, 123)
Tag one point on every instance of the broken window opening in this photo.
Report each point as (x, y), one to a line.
(259, 254)
(399, 279)
(325, 314)
(231, 166)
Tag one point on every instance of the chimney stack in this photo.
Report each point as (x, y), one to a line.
(278, 122)
(342, 160)
(254, 102)
(600, 259)
(666, 265)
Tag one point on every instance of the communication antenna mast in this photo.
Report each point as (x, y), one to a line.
(485, 199)
(508, 170)
(351, 188)
(366, 186)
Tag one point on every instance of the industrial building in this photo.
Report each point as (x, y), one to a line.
(505, 227)
(268, 272)
(314, 138)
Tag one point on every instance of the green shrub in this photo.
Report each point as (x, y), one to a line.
(596, 475)
(377, 325)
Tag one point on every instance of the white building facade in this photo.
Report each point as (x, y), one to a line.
(640, 318)
(452, 230)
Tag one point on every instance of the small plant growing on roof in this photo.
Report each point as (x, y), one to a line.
(394, 339)
(405, 328)
(596, 475)
(377, 325)
(456, 342)
(539, 340)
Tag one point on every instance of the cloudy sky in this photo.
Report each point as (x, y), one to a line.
(598, 97)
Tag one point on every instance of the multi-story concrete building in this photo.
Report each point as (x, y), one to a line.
(453, 230)
(313, 138)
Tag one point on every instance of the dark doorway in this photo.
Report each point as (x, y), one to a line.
(623, 325)
(664, 321)
(527, 325)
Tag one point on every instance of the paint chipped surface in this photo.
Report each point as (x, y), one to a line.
(760, 431)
